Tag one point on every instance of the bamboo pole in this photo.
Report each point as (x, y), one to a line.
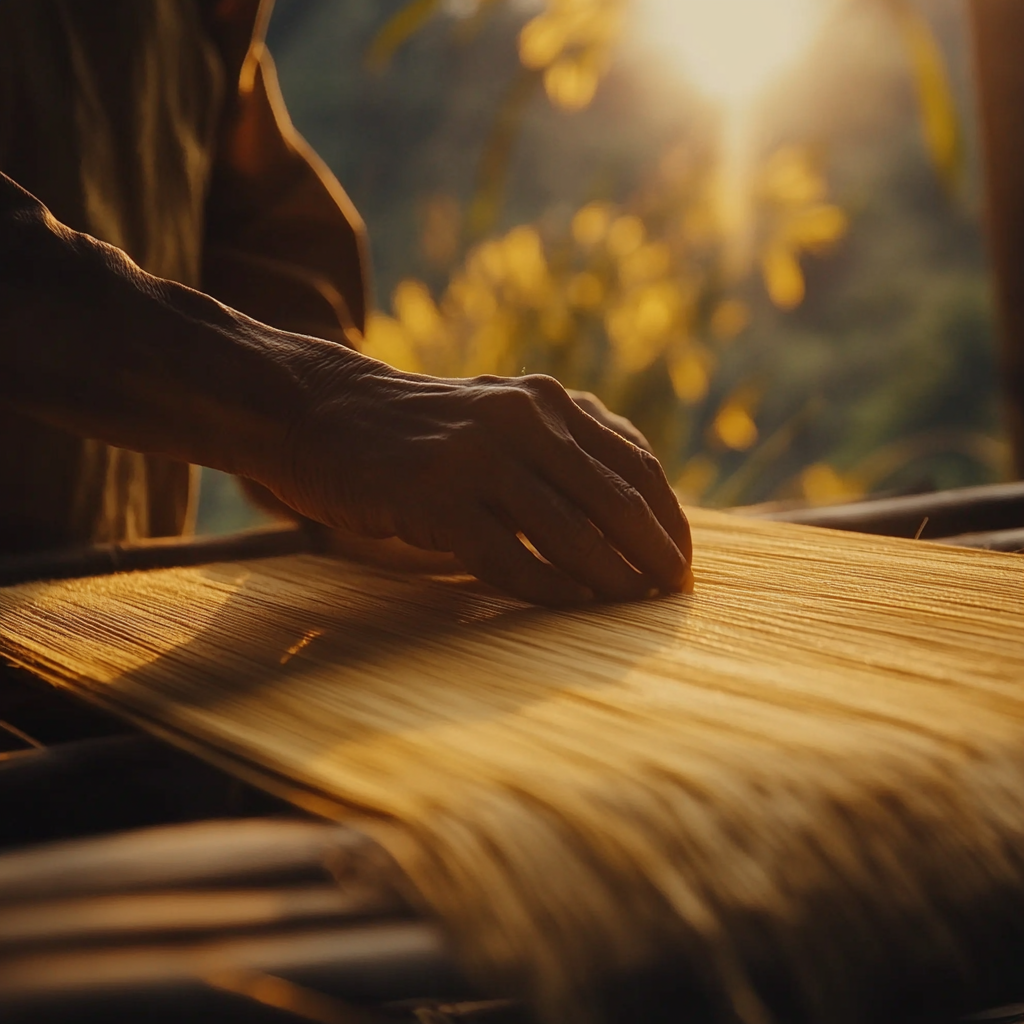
(965, 510)
(161, 553)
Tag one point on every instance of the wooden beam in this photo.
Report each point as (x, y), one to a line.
(998, 32)
(965, 510)
(160, 553)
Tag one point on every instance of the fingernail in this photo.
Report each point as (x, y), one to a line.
(688, 581)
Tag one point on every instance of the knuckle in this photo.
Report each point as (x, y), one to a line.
(544, 387)
(649, 467)
(490, 379)
(508, 400)
(523, 402)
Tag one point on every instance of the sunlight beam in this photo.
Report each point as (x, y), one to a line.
(731, 49)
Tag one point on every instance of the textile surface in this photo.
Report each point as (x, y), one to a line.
(801, 786)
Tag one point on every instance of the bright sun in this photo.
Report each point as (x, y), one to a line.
(732, 49)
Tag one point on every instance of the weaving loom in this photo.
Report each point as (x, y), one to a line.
(799, 791)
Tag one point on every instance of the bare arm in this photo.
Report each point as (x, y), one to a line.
(90, 342)
(283, 242)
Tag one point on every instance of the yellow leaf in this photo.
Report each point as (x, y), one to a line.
(645, 263)
(655, 310)
(415, 308)
(555, 323)
(697, 476)
(524, 261)
(571, 83)
(618, 322)
(782, 276)
(488, 260)
(729, 319)
(817, 228)
(387, 340)
(822, 485)
(940, 122)
(488, 347)
(542, 40)
(700, 223)
(689, 373)
(585, 290)
(594, 26)
(635, 349)
(442, 226)
(790, 178)
(625, 235)
(603, 26)
(471, 297)
(590, 224)
(735, 427)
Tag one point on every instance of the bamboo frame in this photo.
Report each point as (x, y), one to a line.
(160, 553)
(983, 517)
(945, 514)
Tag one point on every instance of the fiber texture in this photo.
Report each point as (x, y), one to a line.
(799, 790)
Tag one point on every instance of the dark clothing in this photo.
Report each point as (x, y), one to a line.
(156, 126)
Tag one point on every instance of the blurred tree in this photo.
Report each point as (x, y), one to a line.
(632, 298)
(634, 302)
(447, 151)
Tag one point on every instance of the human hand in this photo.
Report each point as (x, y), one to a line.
(593, 406)
(463, 466)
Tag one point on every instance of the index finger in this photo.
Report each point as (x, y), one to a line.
(614, 506)
(640, 469)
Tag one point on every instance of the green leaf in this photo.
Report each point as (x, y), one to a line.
(398, 29)
(940, 122)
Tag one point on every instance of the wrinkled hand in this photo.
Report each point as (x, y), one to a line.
(463, 466)
(593, 406)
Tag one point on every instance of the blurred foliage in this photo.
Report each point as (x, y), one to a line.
(398, 30)
(572, 42)
(637, 301)
(839, 344)
(630, 302)
(940, 123)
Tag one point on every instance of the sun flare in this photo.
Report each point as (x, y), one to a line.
(732, 49)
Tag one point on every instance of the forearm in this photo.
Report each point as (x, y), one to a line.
(91, 343)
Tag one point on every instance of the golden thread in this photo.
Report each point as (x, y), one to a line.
(814, 759)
